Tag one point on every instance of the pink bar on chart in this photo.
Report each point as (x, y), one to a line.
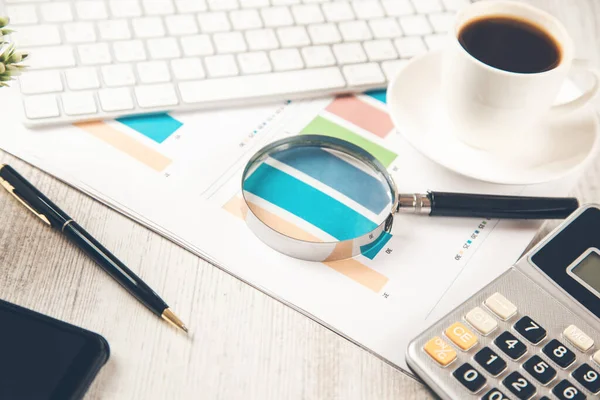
(361, 114)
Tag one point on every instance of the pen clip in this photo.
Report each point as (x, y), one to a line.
(11, 190)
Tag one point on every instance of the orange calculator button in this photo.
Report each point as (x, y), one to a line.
(461, 336)
(440, 351)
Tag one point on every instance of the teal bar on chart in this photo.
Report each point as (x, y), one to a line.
(157, 127)
(307, 203)
(380, 95)
(372, 249)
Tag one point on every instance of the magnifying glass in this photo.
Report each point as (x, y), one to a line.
(320, 198)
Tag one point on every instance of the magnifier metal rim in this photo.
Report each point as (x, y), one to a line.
(303, 248)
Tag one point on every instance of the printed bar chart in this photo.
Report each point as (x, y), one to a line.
(323, 126)
(361, 114)
(157, 127)
(371, 250)
(380, 95)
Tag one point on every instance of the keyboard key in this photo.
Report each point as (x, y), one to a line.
(191, 6)
(367, 9)
(385, 28)
(530, 330)
(349, 53)
(129, 50)
(293, 36)
(38, 82)
(338, 11)
(158, 7)
(79, 103)
(118, 99)
(318, 56)
(354, 31)
(91, 10)
(435, 42)
(213, 22)
(380, 50)
(578, 338)
(415, 25)
(178, 25)
(363, 74)
(79, 32)
(51, 57)
(82, 78)
(501, 306)
(254, 3)
(37, 35)
(324, 34)
(396, 8)
(220, 66)
(148, 27)
(125, 8)
(114, 29)
(559, 353)
(262, 39)
(566, 391)
(455, 5)
(254, 63)
(153, 72)
(442, 23)
(392, 68)
(427, 6)
(187, 68)
(490, 361)
(117, 75)
(461, 336)
(41, 106)
(587, 377)
(56, 12)
(469, 377)
(222, 4)
(163, 48)
(283, 84)
(510, 345)
(245, 19)
(307, 14)
(481, 320)
(197, 45)
(519, 386)
(539, 369)
(276, 16)
(94, 54)
(229, 42)
(286, 59)
(494, 394)
(22, 14)
(150, 96)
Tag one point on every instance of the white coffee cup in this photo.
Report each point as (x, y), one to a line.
(492, 108)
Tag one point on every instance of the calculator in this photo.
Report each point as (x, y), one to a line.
(533, 333)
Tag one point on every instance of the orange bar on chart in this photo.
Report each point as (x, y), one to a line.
(128, 145)
(359, 273)
(236, 207)
(361, 114)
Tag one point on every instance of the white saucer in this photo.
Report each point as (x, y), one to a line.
(562, 145)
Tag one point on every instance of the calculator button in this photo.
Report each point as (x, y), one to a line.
(578, 339)
(544, 398)
(510, 345)
(461, 336)
(558, 353)
(494, 394)
(519, 386)
(530, 330)
(501, 306)
(480, 320)
(440, 351)
(596, 357)
(566, 391)
(490, 361)
(469, 377)
(587, 377)
(540, 370)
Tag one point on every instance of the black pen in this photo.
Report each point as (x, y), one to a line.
(54, 217)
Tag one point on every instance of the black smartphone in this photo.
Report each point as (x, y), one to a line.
(42, 358)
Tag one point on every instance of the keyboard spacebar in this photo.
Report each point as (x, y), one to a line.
(250, 86)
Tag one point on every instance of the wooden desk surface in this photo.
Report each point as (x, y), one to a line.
(244, 343)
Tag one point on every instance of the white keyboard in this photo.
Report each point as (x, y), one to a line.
(97, 59)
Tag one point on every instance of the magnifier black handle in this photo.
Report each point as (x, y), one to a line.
(445, 204)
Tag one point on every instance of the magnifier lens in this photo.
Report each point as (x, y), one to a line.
(317, 194)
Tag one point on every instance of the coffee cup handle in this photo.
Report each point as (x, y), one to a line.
(585, 97)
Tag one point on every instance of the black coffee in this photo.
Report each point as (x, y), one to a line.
(510, 44)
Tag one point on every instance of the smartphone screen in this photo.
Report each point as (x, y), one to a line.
(43, 358)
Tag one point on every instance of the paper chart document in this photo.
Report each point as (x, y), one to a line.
(180, 175)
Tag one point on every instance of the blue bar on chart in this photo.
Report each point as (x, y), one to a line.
(354, 183)
(307, 203)
(380, 95)
(372, 249)
(157, 127)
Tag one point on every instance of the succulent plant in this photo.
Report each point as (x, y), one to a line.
(10, 58)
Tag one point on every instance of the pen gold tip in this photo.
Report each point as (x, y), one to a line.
(173, 319)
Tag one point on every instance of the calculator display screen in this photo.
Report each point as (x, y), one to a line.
(588, 270)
